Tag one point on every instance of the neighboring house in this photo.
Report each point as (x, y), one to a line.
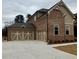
(54, 25)
(4, 33)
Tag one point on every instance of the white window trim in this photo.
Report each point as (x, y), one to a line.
(34, 18)
(68, 29)
(54, 29)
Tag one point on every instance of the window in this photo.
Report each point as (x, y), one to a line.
(56, 30)
(67, 32)
(67, 29)
(35, 18)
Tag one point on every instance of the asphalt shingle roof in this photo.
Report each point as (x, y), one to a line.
(22, 25)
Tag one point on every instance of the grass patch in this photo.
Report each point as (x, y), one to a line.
(72, 49)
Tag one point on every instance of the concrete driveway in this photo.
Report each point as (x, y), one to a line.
(32, 50)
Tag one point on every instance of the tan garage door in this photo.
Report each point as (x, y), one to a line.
(41, 35)
(22, 36)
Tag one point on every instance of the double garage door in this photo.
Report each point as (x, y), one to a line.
(22, 35)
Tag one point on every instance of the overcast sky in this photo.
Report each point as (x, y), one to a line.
(11, 8)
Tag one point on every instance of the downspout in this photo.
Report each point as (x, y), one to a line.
(47, 26)
(64, 28)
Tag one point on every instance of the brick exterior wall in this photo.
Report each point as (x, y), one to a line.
(55, 17)
(40, 24)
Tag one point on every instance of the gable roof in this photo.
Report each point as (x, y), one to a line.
(22, 25)
(43, 10)
(61, 3)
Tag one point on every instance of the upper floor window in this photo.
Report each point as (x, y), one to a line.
(34, 18)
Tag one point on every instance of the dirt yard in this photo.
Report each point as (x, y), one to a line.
(72, 49)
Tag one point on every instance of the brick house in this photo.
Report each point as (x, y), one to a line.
(53, 25)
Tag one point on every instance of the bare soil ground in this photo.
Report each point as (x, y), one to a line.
(72, 49)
